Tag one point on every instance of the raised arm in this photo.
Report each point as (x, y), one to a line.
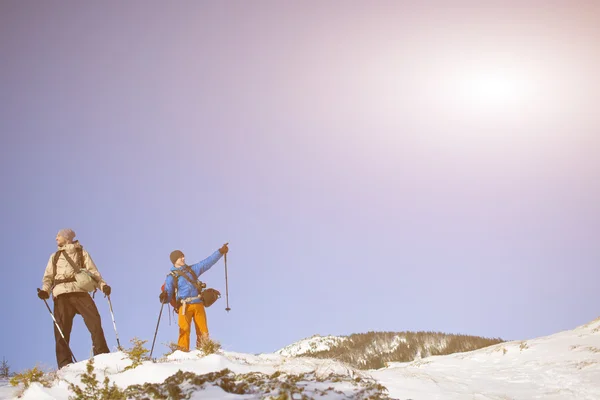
(207, 263)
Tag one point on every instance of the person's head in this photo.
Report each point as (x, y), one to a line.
(177, 258)
(65, 236)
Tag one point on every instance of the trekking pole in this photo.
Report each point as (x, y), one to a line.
(58, 327)
(114, 324)
(156, 331)
(226, 284)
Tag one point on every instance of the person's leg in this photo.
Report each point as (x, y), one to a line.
(200, 322)
(64, 313)
(185, 327)
(87, 308)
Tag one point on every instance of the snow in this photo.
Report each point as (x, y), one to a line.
(396, 342)
(313, 344)
(562, 366)
(565, 365)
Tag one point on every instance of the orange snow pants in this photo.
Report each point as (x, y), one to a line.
(196, 313)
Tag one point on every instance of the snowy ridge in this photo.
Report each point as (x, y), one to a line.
(562, 366)
(312, 344)
(320, 376)
(373, 350)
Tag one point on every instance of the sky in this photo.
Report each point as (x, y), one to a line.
(374, 166)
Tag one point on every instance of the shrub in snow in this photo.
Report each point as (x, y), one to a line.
(137, 353)
(173, 347)
(30, 376)
(92, 389)
(208, 346)
(182, 385)
(4, 369)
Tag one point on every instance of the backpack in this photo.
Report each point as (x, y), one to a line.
(208, 296)
(83, 278)
(173, 301)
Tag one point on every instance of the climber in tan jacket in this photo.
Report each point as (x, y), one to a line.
(69, 298)
(63, 278)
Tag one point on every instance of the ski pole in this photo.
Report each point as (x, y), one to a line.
(58, 327)
(226, 284)
(114, 324)
(156, 331)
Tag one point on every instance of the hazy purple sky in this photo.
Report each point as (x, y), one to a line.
(374, 165)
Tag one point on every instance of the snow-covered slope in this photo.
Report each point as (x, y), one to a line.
(562, 366)
(565, 365)
(250, 377)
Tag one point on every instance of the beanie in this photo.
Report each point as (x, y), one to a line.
(68, 234)
(176, 255)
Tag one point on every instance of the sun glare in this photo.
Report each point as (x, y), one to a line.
(493, 90)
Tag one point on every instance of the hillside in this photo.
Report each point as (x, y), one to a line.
(375, 349)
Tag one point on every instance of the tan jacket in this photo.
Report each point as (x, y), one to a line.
(64, 270)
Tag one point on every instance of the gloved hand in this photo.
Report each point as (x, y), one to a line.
(224, 249)
(164, 297)
(42, 294)
(106, 290)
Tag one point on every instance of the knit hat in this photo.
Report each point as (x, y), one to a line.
(175, 255)
(68, 234)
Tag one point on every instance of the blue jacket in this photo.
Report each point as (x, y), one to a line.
(186, 289)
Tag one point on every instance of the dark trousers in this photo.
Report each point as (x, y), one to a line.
(66, 306)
